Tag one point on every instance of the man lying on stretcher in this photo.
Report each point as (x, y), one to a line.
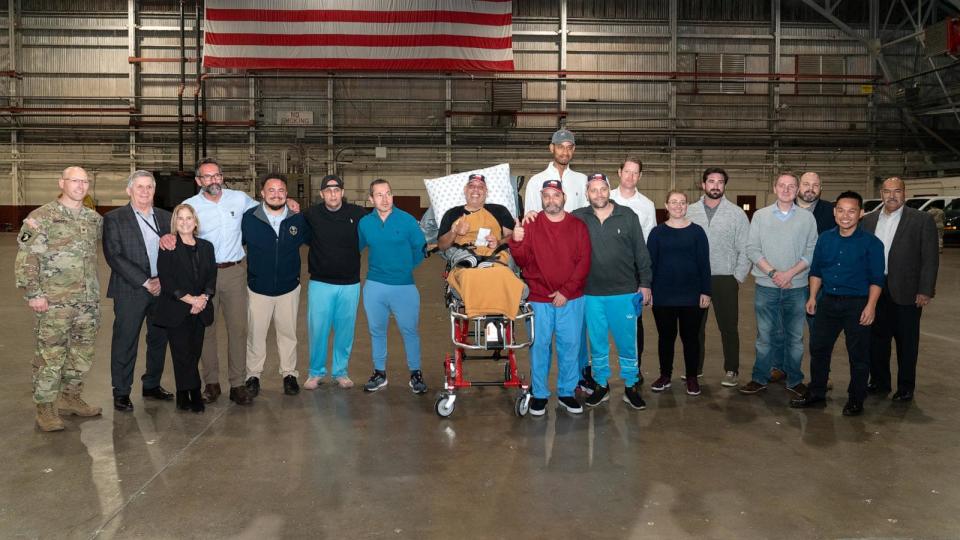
(473, 232)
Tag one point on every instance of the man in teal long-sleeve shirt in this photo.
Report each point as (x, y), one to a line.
(396, 247)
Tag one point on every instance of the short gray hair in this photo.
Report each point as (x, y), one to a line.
(140, 174)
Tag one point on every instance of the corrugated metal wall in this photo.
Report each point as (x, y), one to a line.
(618, 97)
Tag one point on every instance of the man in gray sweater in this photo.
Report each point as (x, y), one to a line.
(619, 270)
(780, 246)
(727, 229)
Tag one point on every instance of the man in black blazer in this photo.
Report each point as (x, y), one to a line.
(808, 198)
(131, 241)
(909, 239)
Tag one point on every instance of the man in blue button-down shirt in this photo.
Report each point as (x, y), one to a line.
(848, 266)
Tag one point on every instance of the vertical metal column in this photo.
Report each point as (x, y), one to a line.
(133, 71)
(183, 80)
(16, 188)
(773, 90)
(196, 92)
(331, 155)
(252, 131)
(673, 94)
(448, 127)
(868, 184)
(562, 84)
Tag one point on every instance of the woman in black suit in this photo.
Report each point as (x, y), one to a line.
(188, 279)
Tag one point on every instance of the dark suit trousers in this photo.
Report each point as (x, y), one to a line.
(186, 344)
(900, 323)
(129, 313)
(836, 313)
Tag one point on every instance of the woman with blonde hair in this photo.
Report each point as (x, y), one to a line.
(188, 279)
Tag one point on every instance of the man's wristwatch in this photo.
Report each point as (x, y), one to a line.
(771, 272)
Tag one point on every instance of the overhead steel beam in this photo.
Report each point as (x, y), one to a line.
(873, 46)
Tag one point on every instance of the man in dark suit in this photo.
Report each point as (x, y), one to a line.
(131, 241)
(909, 239)
(808, 198)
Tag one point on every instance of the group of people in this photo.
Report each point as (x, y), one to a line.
(591, 256)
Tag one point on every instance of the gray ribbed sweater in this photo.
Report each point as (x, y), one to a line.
(781, 243)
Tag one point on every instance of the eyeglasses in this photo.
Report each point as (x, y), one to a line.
(209, 177)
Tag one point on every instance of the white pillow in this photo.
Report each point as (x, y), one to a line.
(447, 191)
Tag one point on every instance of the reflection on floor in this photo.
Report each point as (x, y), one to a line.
(336, 463)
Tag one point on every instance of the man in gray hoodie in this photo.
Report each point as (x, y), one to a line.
(727, 229)
(780, 246)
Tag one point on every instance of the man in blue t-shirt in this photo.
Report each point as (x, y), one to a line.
(848, 267)
(396, 247)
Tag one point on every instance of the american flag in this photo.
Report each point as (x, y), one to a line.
(370, 35)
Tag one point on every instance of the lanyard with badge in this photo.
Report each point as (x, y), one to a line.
(155, 227)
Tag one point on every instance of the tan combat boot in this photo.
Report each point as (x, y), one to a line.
(47, 417)
(72, 403)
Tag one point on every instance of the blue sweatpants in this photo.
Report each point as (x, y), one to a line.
(331, 307)
(612, 314)
(566, 323)
(403, 301)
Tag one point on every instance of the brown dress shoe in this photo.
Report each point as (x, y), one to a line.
(211, 392)
(240, 395)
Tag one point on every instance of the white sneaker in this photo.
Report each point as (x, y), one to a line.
(312, 383)
(344, 382)
(730, 379)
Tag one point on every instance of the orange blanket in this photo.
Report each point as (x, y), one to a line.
(494, 290)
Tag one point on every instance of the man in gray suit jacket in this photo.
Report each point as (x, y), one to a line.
(909, 239)
(131, 241)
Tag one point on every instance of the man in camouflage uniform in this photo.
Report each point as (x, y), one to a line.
(57, 268)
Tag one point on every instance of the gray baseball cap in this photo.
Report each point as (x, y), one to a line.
(562, 136)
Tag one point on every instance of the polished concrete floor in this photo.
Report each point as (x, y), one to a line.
(338, 463)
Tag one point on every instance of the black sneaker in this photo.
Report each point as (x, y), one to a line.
(290, 386)
(599, 395)
(377, 381)
(587, 385)
(416, 382)
(571, 404)
(631, 396)
(538, 406)
(253, 386)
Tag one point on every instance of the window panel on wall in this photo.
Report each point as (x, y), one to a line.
(816, 64)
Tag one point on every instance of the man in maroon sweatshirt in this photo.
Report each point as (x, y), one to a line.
(554, 253)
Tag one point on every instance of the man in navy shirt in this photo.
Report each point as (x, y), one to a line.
(848, 266)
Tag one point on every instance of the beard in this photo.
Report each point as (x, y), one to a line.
(277, 206)
(809, 196)
(213, 189)
(713, 194)
(552, 209)
(599, 203)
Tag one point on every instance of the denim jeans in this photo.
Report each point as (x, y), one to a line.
(612, 315)
(331, 307)
(781, 315)
(566, 323)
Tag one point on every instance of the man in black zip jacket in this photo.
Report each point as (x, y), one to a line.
(334, 290)
(273, 235)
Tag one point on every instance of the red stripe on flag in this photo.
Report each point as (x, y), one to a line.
(348, 40)
(332, 15)
(345, 64)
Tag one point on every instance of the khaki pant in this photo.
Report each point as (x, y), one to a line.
(231, 303)
(282, 310)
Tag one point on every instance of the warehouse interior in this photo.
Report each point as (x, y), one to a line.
(857, 91)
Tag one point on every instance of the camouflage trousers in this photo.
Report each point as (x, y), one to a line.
(65, 340)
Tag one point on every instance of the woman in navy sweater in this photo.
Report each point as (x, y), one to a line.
(680, 258)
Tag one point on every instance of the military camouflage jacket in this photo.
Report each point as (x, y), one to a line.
(58, 254)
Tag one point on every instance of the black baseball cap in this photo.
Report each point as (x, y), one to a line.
(477, 176)
(598, 176)
(331, 180)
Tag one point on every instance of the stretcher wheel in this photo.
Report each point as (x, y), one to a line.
(522, 405)
(444, 406)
